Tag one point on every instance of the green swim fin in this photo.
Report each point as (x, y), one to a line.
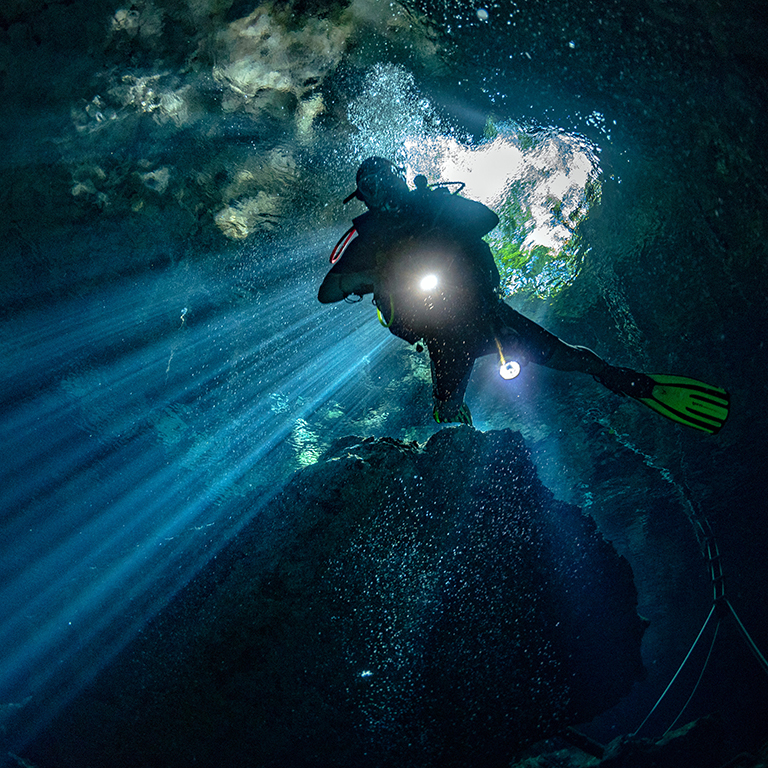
(679, 398)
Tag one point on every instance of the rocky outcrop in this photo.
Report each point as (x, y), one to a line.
(698, 743)
(398, 604)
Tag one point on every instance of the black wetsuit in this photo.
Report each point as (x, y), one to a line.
(460, 316)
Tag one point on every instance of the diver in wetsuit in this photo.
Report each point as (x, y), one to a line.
(420, 252)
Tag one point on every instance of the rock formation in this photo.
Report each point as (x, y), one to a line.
(398, 604)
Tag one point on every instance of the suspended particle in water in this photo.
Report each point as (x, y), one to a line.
(482, 14)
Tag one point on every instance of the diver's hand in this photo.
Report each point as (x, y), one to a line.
(338, 285)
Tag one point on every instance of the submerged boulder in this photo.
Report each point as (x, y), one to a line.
(396, 604)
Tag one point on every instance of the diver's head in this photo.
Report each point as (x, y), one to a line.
(381, 184)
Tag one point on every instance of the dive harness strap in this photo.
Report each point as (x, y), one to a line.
(341, 245)
(385, 323)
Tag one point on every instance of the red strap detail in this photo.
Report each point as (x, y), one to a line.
(341, 246)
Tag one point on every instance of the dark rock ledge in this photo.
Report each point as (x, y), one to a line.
(397, 604)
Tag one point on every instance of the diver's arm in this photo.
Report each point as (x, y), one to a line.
(339, 285)
(354, 272)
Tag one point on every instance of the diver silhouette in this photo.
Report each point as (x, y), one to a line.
(421, 254)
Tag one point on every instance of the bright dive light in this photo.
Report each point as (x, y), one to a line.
(509, 370)
(428, 283)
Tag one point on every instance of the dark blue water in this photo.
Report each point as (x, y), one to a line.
(168, 218)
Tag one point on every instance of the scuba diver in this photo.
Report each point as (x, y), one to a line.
(434, 281)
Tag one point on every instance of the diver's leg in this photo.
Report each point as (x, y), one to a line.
(540, 346)
(565, 357)
(623, 381)
(520, 334)
(451, 369)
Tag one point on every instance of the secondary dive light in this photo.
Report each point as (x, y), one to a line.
(507, 370)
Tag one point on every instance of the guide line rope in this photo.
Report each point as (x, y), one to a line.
(721, 605)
